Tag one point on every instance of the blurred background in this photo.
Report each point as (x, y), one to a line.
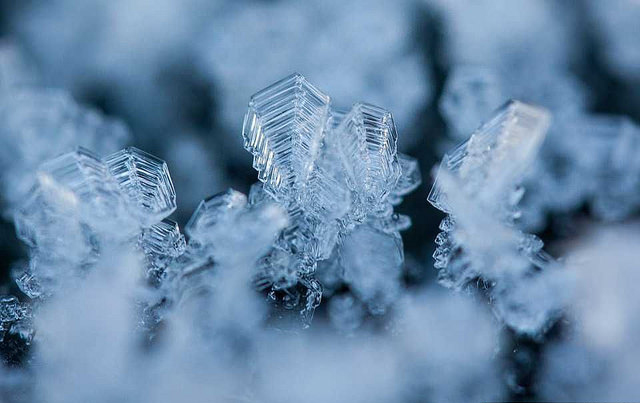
(178, 75)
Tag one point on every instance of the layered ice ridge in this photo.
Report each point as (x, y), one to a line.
(334, 171)
(283, 129)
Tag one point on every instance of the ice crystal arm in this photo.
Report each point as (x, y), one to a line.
(367, 140)
(212, 211)
(476, 186)
(161, 244)
(163, 239)
(327, 195)
(29, 284)
(146, 182)
(283, 130)
(80, 181)
(496, 155)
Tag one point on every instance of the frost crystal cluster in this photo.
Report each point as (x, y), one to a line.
(328, 183)
(530, 55)
(599, 173)
(338, 174)
(82, 206)
(477, 186)
(120, 282)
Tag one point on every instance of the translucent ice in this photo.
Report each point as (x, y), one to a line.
(496, 155)
(333, 171)
(81, 207)
(146, 181)
(409, 180)
(163, 238)
(367, 141)
(565, 176)
(29, 284)
(161, 244)
(477, 186)
(283, 130)
(80, 181)
(214, 211)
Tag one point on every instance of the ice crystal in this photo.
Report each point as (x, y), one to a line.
(83, 205)
(120, 305)
(146, 182)
(283, 130)
(496, 155)
(333, 171)
(212, 211)
(161, 244)
(409, 180)
(367, 140)
(477, 185)
(557, 180)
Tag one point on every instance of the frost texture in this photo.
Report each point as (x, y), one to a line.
(477, 186)
(146, 182)
(98, 226)
(13, 315)
(120, 306)
(338, 174)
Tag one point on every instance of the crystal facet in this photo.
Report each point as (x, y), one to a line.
(146, 181)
